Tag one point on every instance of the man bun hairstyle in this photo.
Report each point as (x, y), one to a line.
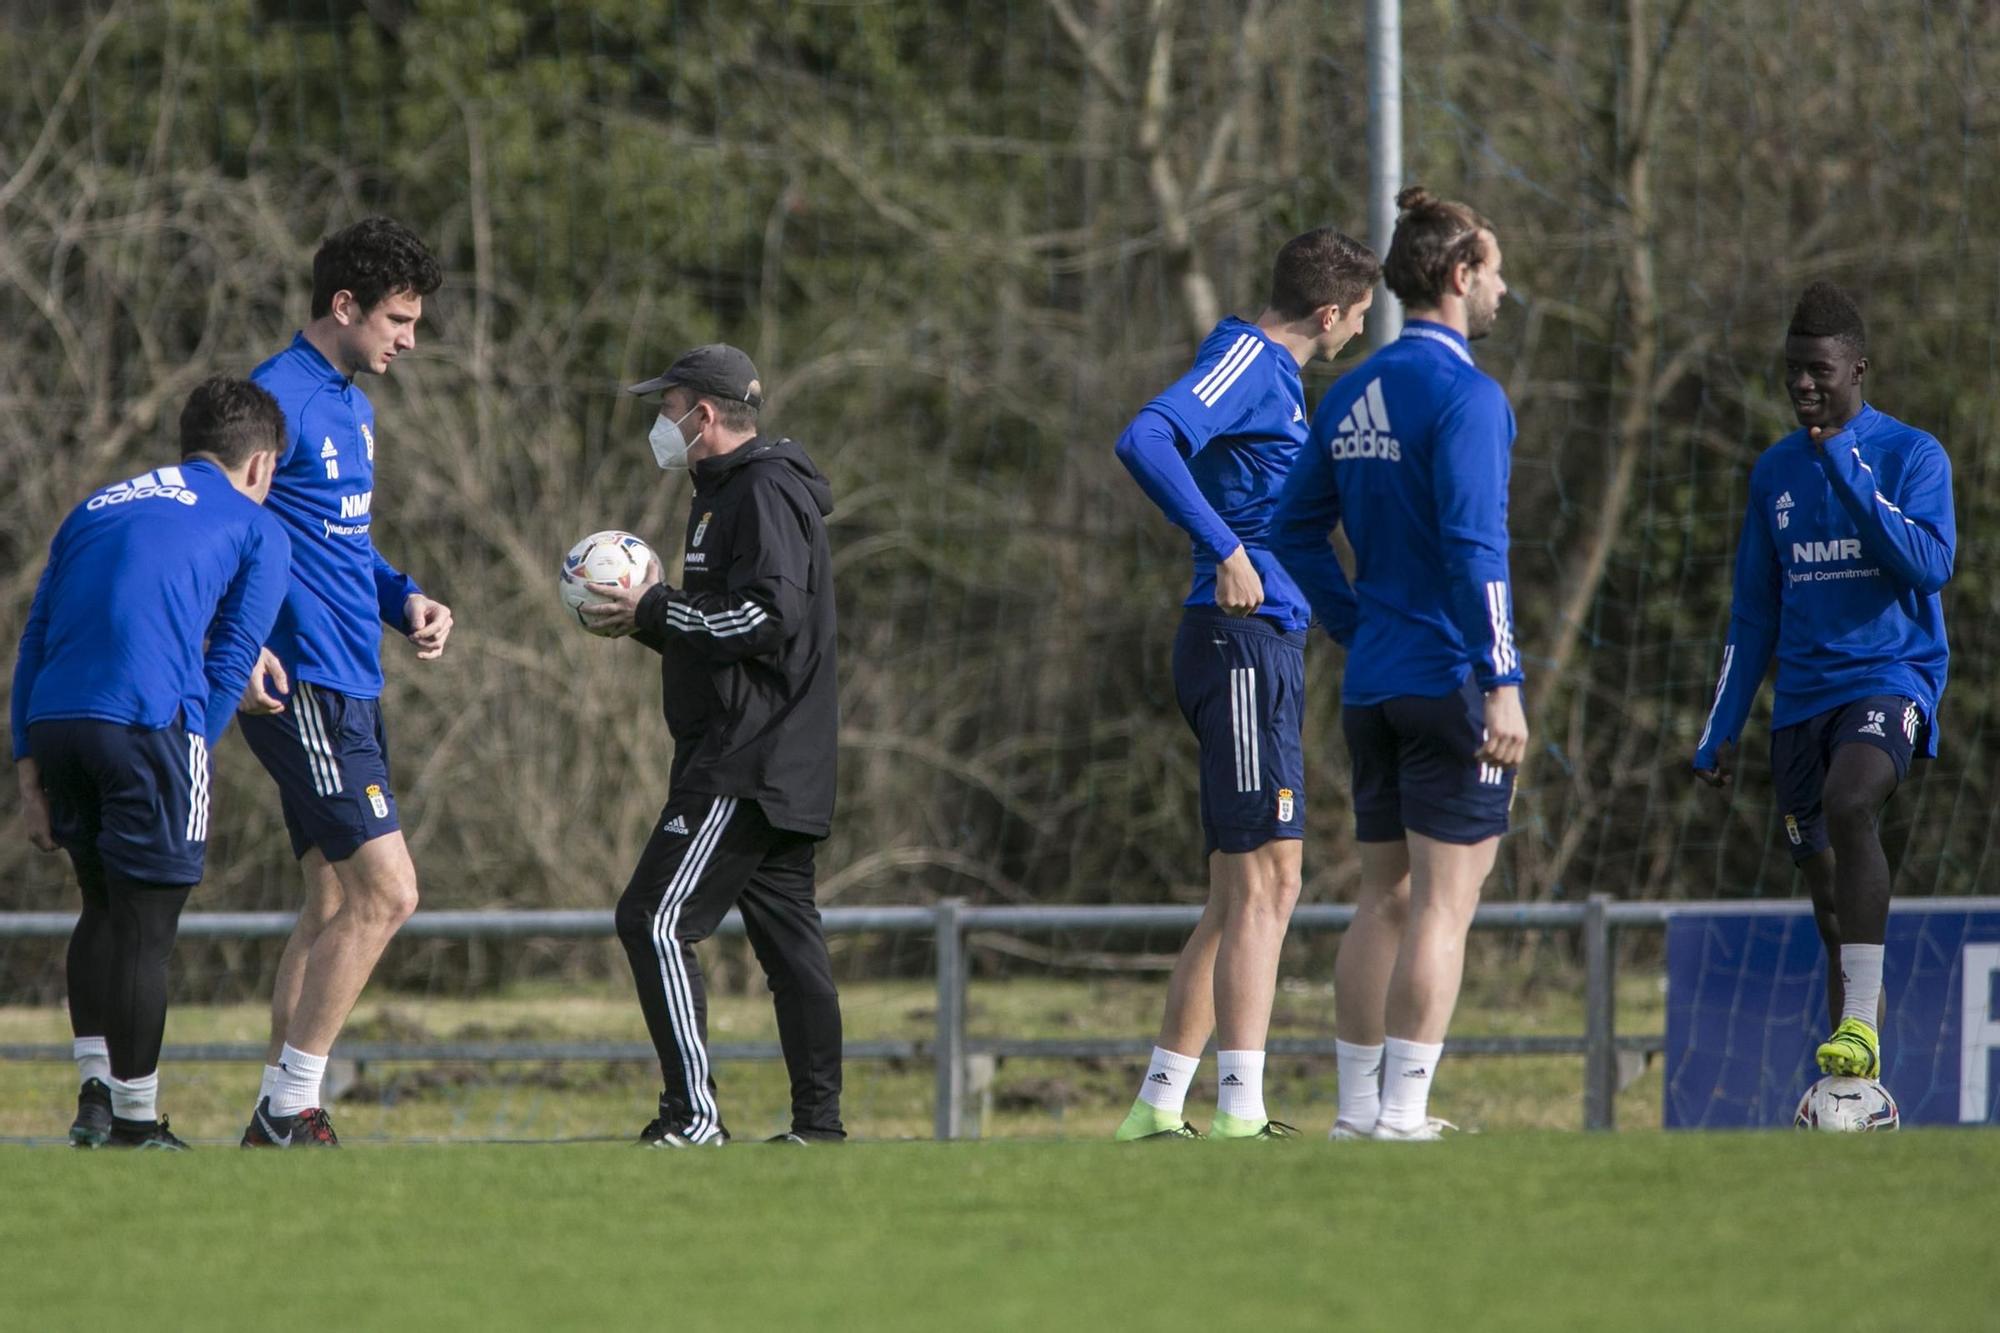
(1321, 267)
(1433, 237)
(1828, 311)
(229, 420)
(375, 258)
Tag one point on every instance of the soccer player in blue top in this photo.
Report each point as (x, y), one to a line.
(117, 705)
(1846, 543)
(1410, 453)
(1212, 451)
(325, 745)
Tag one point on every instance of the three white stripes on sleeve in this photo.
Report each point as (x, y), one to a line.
(1210, 388)
(721, 625)
(1505, 656)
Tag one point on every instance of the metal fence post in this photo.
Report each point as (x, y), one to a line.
(950, 948)
(1600, 1018)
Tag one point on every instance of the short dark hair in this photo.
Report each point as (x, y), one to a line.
(1321, 267)
(1827, 311)
(229, 420)
(1433, 237)
(375, 258)
(733, 413)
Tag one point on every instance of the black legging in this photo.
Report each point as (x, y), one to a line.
(117, 967)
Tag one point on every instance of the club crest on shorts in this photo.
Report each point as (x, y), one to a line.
(701, 529)
(376, 800)
(1792, 830)
(1286, 805)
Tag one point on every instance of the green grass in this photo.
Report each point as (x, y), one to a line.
(1026, 1099)
(1524, 1231)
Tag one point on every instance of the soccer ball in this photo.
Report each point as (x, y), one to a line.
(1846, 1105)
(602, 557)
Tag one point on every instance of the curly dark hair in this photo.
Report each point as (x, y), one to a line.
(229, 420)
(375, 258)
(1433, 237)
(1321, 267)
(1827, 311)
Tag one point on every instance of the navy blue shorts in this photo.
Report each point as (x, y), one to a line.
(1415, 769)
(132, 798)
(330, 758)
(1241, 682)
(1802, 753)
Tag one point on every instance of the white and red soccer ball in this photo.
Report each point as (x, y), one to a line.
(602, 557)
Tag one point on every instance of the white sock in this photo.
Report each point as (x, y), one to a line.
(93, 1059)
(1360, 1083)
(1861, 977)
(136, 1099)
(1407, 1070)
(1239, 1085)
(296, 1088)
(270, 1083)
(1167, 1080)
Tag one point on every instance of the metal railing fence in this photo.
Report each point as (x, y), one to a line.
(949, 924)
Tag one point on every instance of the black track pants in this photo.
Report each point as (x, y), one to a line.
(707, 854)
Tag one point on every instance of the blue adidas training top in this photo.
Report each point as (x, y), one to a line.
(341, 587)
(1212, 452)
(139, 576)
(1844, 548)
(1410, 452)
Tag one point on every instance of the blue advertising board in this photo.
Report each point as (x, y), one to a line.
(1746, 1006)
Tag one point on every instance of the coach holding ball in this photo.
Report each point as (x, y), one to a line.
(747, 685)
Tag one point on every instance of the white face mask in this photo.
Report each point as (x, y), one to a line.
(670, 447)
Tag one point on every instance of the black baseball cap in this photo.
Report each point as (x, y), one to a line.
(717, 370)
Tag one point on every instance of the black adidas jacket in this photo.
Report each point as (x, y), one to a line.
(747, 643)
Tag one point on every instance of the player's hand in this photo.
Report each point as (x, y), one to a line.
(616, 610)
(267, 675)
(35, 805)
(430, 625)
(1506, 728)
(1820, 435)
(1238, 590)
(1725, 762)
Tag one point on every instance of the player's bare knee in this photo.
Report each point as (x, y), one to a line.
(1850, 816)
(1387, 904)
(385, 904)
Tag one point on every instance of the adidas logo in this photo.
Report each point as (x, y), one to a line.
(675, 825)
(327, 450)
(1160, 1076)
(1785, 501)
(1873, 727)
(1418, 1072)
(1364, 431)
(1231, 1081)
(1298, 414)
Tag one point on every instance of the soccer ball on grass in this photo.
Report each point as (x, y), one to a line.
(1847, 1106)
(602, 557)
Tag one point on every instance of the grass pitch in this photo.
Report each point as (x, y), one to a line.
(1071, 1099)
(1525, 1231)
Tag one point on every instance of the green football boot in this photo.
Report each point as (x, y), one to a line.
(1236, 1127)
(1853, 1050)
(1146, 1121)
